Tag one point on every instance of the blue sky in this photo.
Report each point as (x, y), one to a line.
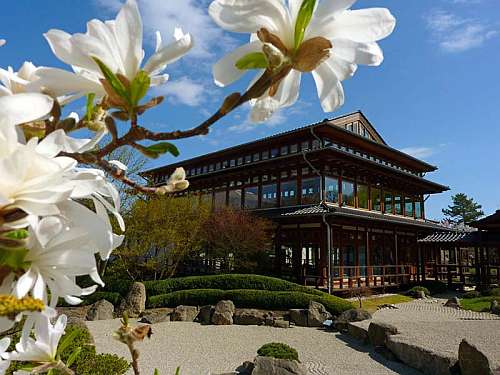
(436, 96)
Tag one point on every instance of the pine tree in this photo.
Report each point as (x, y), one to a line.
(463, 210)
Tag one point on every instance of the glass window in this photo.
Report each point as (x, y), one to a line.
(304, 146)
(211, 168)
(350, 127)
(418, 209)
(225, 164)
(265, 155)
(205, 169)
(362, 196)
(332, 189)
(398, 204)
(256, 157)
(255, 179)
(409, 206)
(220, 198)
(198, 170)
(293, 173)
(275, 152)
(252, 197)
(294, 148)
(235, 198)
(240, 160)
(316, 144)
(232, 163)
(218, 166)
(206, 197)
(305, 171)
(348, 193)
(387, 202)
(284, 150)
(310, 190)
(248, 159)
(289, 193)
(269, 196)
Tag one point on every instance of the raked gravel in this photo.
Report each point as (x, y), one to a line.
(201, 350)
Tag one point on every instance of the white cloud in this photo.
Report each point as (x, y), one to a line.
(454, 33)
(419, 152)
(183, 91)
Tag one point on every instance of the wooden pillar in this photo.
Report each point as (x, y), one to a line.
(368, 259)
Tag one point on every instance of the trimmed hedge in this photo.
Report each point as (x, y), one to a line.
(225, 282)
(413, 292)
(261, 299)
(279, 351)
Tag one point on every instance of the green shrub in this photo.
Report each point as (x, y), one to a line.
(225, 282)
(278, 350)
(101, 364)
(492, 292)
(413, 292)
(434, 286)
(471, 294)
(262, 299)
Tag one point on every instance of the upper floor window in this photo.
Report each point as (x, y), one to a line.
(348, 198)
(284, 150)
(252, 197)
(232, 163)
(248, 159)
(376, 199)
(256, 156)
(240, 160)
(332, 189)
(220, 198)
(265, 155)
(316, 144)
(304, 146)
(419, 214)
(311, 190)
(269, 196)
(235, 198)
(289, 193)
(409, 206)
(398, 204)
(275, 152)
(294, 148)
(388, 202)
(218, 166)
(362, 191)
(211, 167)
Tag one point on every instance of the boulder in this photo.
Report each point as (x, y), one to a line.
(246, 368)
(269, 319)
(101, 310)
(223, 313)
(135, 302)
(280, 323)
(378, 333)
(420, 294)
(205, 314)
(353, 315)
(299, 317)
(155, 316)
(494, 308)
(184, 314)
(249, 317)
(273, 366)
(317, 314)
(357, 331)
(453, 302)
(472, 361)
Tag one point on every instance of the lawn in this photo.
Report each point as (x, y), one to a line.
(371, 304)
(478, 304)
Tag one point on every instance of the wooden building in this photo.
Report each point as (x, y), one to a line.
(348, 209)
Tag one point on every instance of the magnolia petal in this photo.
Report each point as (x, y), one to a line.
(342, 69)
(330, 91)
(263, 109)
(170, 53)
(288, 91)
(128, 34)
(22, 108)
(225, 71)
(358, 53)
(25, 283)
(94, 47)
(58, 82)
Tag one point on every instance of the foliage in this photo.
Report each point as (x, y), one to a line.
(278, 350)
(236, 238)
(495, 292)
(416, 289)
(371, 304)
(471, 294)
(463, 209)
(262, 299)
(434, 286)
(480, 304)
(225, 282)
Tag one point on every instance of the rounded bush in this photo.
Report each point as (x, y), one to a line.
(413, 292)
(279, 351)
(248, 298)
(471, 294)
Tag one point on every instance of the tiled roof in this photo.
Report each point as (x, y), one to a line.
(447, 237)
(314, 210)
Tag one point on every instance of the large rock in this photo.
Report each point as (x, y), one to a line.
(205, 314)
(101, 310)
(453, 302)
(135, 302)
(317, 314)
(184, 314)
(155, 316)
(494, 308)
(358, 331)
(273, 366)
(472, 361)
(379, 331)
(299, 317)
(249, 317)
(353, 315)
(223, 314)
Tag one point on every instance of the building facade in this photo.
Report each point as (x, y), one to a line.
(348, 209)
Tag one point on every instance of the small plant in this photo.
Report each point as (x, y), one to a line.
(414, 292)
(472, 294)
(279, 351)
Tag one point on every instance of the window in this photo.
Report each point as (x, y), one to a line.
(232, 163)
(275, 152)
(332, 189)
(256, 157)
(269, 196)
(248, 159)
(206, 197)
(398, 204)
(409, 206)
(205, 169)
(211, 168)
(220, 198)
(235, 198)
(305, 171)
(252, 197)
(350, 127)
(387, 202)
(316, 144)
(294, 148)
(289, 193)
(362, 196)
(419, 209)
(265, 155)
(311, 190)
(284, 150)
(218, 166)
(240, 160)
(304, 146)
(348, 193)
(198, 170)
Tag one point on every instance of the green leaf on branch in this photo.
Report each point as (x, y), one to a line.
(115, 83)
(303, 18)
(163, 148)
(90, 106)
(139, 87)
(67, 340)
(73, 357)
(254, 60)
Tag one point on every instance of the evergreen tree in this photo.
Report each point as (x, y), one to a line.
(463, 210)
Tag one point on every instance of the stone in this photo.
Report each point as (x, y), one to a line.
(353, 315)
(386, 353)
(184, 314)
(420, 294)
(494, 308)
(280, 323)
(453, 302)
(378, 333)
(425, 360)
(205, 314)
(135, 302)
(273, 366)
(246, 368)
(298, 317)
(101, 310)
(249, 317)
(317, 314)
(472, 361)
(269, 319)
(223, 313)
(155, 316)
(357, 331)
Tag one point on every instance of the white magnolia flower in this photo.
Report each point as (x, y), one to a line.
(43, 348)
(118, 44)
(4, 363)
(176, 182)
(21, 108)
(347, 38)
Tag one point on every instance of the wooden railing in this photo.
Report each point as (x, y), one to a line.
(468, 274)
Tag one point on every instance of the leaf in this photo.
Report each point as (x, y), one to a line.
(163, 147)
(90, 106)
(156, 372)
(139, 87)
(178, 371)
(116, 84)
(72, 358)
(254, 60)
(303, 18)
(13, 258)
(67, 340)
(19, 234)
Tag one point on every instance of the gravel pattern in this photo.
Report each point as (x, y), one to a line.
(202, 350)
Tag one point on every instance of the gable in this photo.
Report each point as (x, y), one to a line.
(359, 124)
